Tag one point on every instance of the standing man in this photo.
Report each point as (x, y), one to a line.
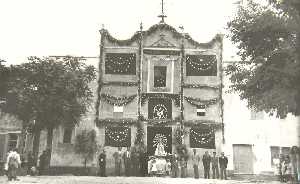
(118, 161)
(206, 159)
(215, 165)
(195, 161)
(42, 163)
(127, 164)
(135, 162)
(102, 163)
(13, 162)
(175, 166)
(223, 161)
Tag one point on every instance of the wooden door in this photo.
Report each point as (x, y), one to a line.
(243, 159)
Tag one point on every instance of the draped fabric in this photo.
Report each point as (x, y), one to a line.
(202, 138)
(153, 132)
(159, 108)
(201, 65)
(118, 136)
(120, 63)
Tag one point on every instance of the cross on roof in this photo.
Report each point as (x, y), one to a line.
(162, 15)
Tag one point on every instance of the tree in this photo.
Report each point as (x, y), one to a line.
(85, 145)
(268, 39)
(51, 91)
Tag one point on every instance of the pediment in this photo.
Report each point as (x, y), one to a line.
(162, 43)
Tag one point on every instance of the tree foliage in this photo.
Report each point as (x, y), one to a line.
(267, 37)
(85, 145)
(52, 91)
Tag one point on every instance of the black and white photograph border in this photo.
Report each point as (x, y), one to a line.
(140, 91)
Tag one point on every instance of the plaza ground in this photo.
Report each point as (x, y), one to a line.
(127, 180)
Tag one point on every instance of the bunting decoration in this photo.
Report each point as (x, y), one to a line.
(116, 83)
(202, 138)
(117, 101)
(117, 122)
(120, 63)
(174, 97)
(200, 103)
(117, 136)
(200, 86)
(201, 65)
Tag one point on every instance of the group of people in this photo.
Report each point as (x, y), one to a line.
(14, 161)
(136, 163)
(133, 161)
(217, 164)
(284, 168)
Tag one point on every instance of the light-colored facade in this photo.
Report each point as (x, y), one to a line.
(253, 139)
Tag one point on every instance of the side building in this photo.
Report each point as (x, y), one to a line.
(254, 139)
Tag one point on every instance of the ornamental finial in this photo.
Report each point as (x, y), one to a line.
(162, 15)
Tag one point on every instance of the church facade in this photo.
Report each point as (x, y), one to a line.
(159, 84)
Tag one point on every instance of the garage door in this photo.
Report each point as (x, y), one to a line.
(243, 158)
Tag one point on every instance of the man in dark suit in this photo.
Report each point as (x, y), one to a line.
(102, 163)
(127, 161)
(206, 159)
(223, 161)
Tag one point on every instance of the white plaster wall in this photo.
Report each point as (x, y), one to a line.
(261, 134)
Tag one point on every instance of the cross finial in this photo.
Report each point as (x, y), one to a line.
(162, 15)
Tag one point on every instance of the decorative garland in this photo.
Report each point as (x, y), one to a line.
(116, 83)
(120, 63)
(174, 97)
(118, 136)
(155, 28)
(116, 122)
(199, 86)
(202, 138)
(211, 124)
(198, 101)
(200, 64)
(118, 101)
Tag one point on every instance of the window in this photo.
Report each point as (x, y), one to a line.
(120, 63)
(257, 115)
(201, 65)
(12, 140)
(67, 135)
(160, 76)
(201, 110)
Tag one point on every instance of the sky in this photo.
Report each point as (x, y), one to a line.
(71, 27)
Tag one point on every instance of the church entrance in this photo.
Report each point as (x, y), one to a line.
(157, 136)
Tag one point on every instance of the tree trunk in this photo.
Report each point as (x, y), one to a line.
(49, 145)
(36, 145)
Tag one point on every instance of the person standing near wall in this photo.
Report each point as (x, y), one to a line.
(174, 166)
(127, 161)
(223, 161)
(183, 167)
(102, 164)
(42, 162)
(195, 161)
(118, 161)
(13, 162)
(206, 159)
(215, 165)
